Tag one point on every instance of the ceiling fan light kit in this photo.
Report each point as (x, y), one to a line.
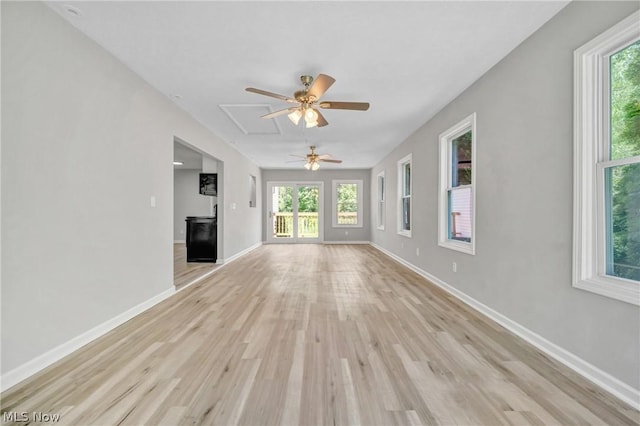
(312, 166)
(295, 116)
(311, 117)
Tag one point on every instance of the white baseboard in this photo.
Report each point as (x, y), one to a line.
(179, 241)
(240, 254)
(200, 278)
(347, 242)
(601, 378)
(30, 368)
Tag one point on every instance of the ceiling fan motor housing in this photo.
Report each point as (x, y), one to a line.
(301, 96)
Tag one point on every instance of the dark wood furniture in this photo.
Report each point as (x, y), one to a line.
(201, 239)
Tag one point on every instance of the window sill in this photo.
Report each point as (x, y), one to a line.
(460, 246)
(615, 288)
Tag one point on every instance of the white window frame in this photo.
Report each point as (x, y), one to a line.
(591, 148)
(401, 196)
(381, 190)
(334, 186)
(446, 138)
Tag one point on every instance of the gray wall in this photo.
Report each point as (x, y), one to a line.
(522, 266)
(86, 143)
(187, 200)
(330, 234)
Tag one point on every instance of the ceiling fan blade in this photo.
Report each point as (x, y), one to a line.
(273, 95)
(295, 161)
(298, 156)
(357, 106)
(320, 85)
(325, 157)
(280, 112)
(329, 160)
(321, 120)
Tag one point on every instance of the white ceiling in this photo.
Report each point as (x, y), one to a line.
(407, 59)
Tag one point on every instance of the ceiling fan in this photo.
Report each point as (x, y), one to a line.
(313, 159)
(308, 101)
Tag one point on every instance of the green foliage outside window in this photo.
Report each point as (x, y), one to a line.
(347, 198)
(307, 199)
(624, 183)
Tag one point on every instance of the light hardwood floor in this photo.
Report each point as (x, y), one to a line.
(313, 335)
(186, 272)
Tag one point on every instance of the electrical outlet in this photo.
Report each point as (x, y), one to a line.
(346, 232)
(454, 267)
(417, 251)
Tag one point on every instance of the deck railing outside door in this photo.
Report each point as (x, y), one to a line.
(307, 223)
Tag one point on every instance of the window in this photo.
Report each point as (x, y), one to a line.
(404, 196)
(606, 208)
(381, 197)
(347, 203)
(456, 203)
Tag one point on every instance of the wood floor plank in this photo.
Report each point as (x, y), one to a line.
(173, 416)
(291, 414)
(353, 410)
(313, 335)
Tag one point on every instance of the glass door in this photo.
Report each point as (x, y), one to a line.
(281, 213)
(307, 212)
(294, 212)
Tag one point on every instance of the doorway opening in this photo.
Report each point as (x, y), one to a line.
(295, 212)
(190, 201)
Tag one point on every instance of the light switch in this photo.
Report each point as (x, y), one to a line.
(152, 200)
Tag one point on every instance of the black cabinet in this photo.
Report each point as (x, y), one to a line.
(201, 239)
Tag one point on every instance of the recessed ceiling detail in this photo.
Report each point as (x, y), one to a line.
(247, 118)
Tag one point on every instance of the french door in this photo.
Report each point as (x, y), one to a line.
(294, 212)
